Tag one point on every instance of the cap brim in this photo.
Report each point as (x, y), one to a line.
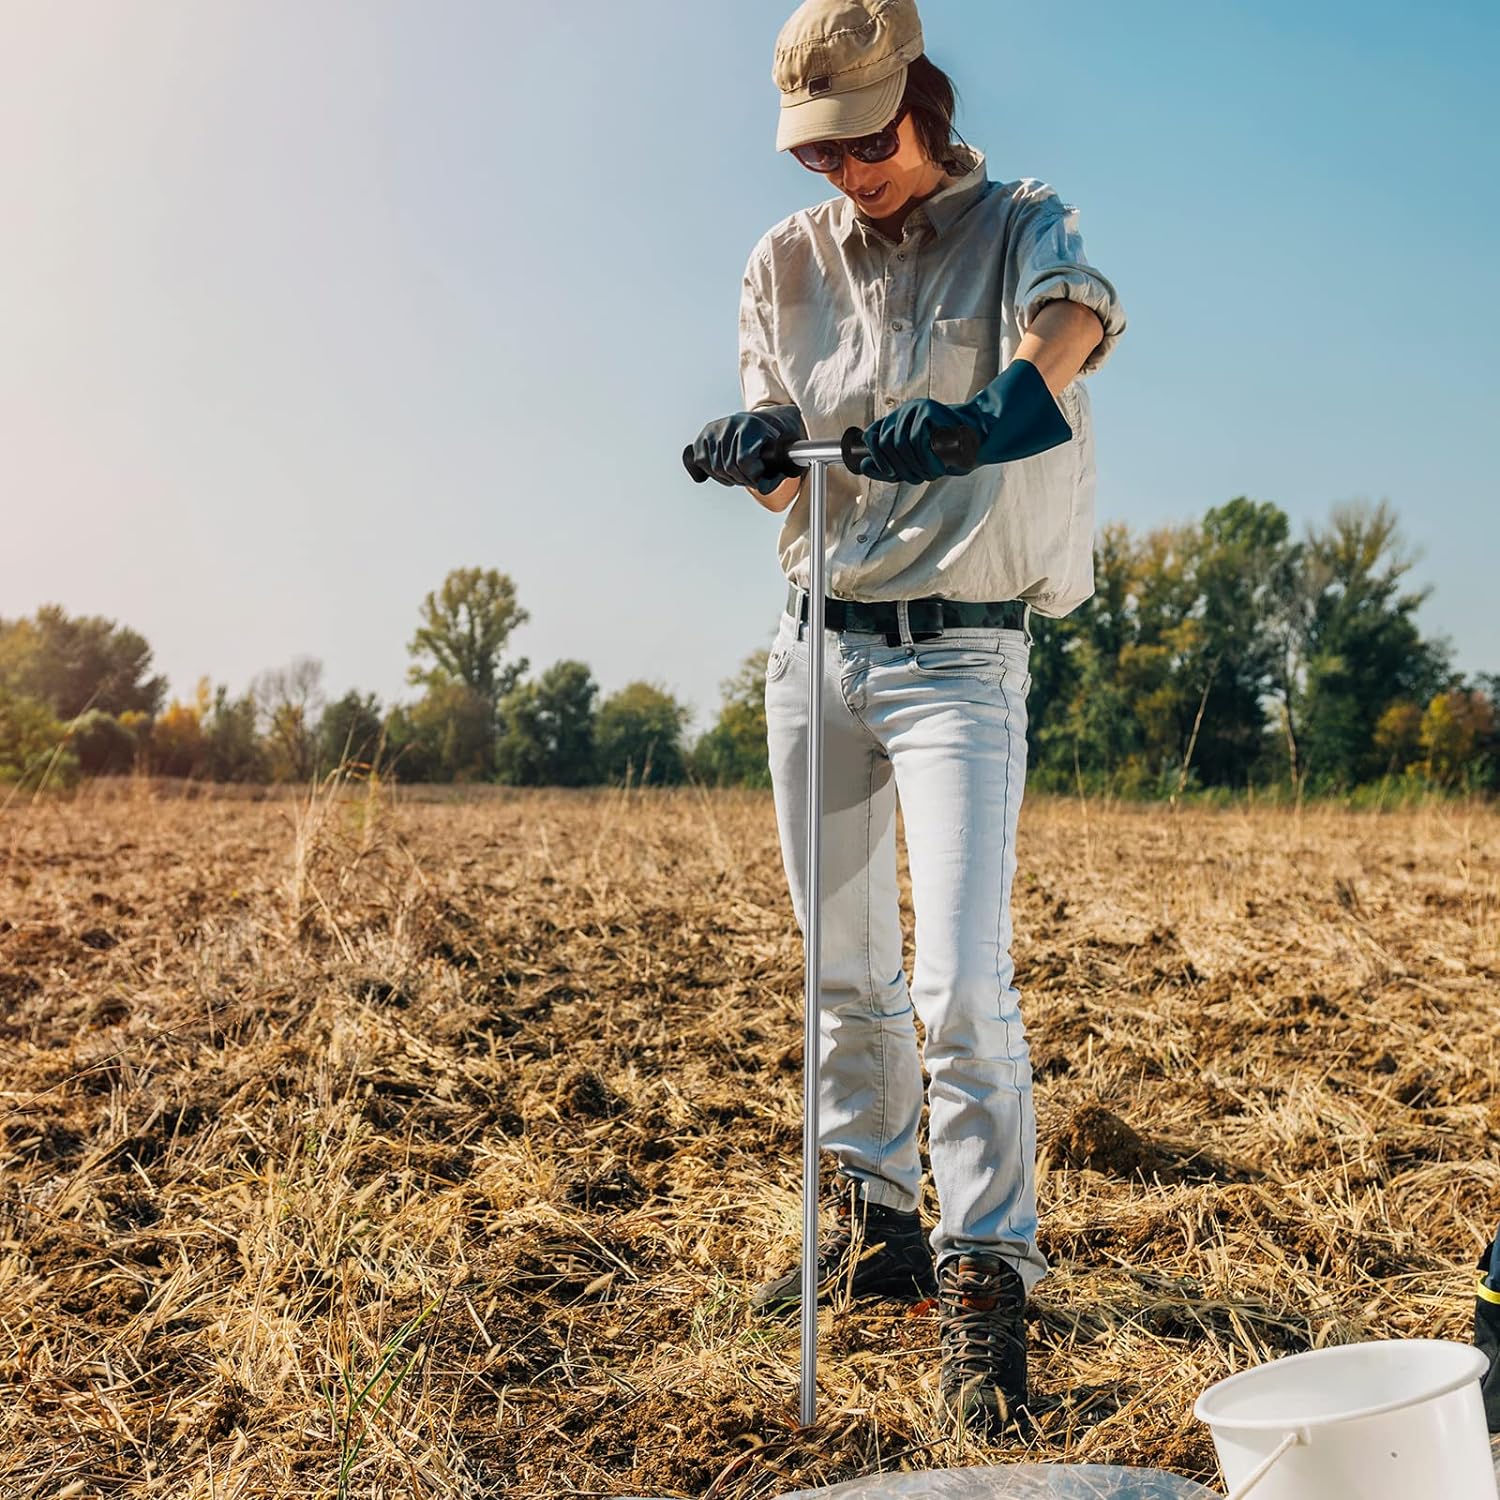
(841, 116)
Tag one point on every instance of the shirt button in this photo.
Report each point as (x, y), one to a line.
(901, 256)
(897, 326)
(864, 536)
(891, 401)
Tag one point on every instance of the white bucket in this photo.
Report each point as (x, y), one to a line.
(1401, 1419)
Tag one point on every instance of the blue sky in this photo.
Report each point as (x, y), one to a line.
(303, 305)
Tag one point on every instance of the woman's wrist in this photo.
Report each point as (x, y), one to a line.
(782, 496)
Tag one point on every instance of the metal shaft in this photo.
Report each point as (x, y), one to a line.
(812, 932)
(812, 452)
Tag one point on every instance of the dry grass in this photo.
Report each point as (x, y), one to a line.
(439, 1144)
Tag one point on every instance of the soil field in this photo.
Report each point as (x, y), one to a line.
(398, 1149)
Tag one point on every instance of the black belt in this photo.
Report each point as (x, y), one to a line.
(927, 618)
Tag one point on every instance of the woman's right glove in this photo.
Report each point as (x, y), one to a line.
(747, 448)
(1015, 416)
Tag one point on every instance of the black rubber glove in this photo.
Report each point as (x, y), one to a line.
(1487, 1330)
(1014, 415)
(746, 448)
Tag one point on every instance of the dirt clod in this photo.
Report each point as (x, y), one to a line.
(1097, 1138)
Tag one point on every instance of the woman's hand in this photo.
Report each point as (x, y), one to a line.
(1014, 415)
(747, 448)
(900, 443)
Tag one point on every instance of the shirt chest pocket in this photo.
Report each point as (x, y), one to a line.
(965, 357)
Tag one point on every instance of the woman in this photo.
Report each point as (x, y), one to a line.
(924, 295)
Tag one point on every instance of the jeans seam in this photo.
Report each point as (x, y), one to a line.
(862, 670)
(881, 1131)
(1010, 750)
(869, 819)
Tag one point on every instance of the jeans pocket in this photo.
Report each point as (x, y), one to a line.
(778, 660)
(970, 659)
(956, 661)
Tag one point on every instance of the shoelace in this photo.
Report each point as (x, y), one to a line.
(833, 1253)
(836, 1249)
(975, 1342)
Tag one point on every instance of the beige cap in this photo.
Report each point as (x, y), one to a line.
(841, 68)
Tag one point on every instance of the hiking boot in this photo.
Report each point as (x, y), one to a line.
(871, 1251)
(982, 1335)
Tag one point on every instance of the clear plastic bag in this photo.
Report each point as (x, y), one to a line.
(1029, 1482)
(1017, 1482)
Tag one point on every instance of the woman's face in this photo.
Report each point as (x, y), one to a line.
(884, 190)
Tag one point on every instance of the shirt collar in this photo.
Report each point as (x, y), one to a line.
(942, 211)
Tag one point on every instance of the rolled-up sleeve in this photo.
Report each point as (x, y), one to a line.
(1051, 267)
(760, 375)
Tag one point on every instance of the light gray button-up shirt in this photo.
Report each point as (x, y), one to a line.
(841, 322)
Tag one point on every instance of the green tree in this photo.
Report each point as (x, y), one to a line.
(1122, 691)
(1220, 648)
(1240, 572)
(547, 734)
(104, 746)
(349, 733)
(412, 759)
(232, 746)
(1487, 755)
(465, 626)
(1363, 650)
(1063, 652)
(73, 665)
(447, 735)
(639, 735)
(734, 751)
(1096, 734)
(33, 744)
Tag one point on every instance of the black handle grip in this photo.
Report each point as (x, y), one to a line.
(958, 447)
(779, 464)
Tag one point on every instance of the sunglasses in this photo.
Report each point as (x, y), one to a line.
(828, 156)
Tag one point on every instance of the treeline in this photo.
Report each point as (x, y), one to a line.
(78, 698)
(1225, 653)
(1218, 654)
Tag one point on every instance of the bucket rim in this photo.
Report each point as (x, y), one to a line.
(1477, 1363)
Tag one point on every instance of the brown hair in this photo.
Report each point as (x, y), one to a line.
(930, 99)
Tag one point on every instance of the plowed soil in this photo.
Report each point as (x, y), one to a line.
(437, 1146)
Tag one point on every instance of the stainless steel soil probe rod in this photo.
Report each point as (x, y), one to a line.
(959, 447)
(816, 457)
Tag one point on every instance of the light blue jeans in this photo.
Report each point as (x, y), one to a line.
(942, 724)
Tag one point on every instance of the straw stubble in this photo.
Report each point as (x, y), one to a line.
(502, 1096)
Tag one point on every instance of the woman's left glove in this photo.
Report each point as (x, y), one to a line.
(1014, 415)
(747, 447)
